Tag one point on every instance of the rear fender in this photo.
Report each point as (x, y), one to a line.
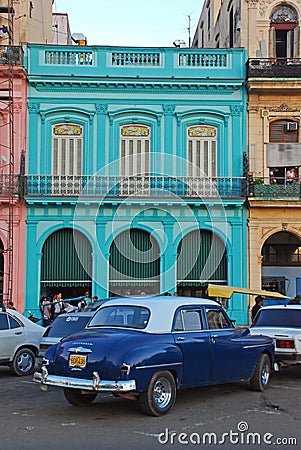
(143, 362)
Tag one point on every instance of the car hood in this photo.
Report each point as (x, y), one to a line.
(276, 331)
(98, 346)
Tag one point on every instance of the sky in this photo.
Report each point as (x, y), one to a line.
(142, 23)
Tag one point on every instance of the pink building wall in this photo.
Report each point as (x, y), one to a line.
(19, 117)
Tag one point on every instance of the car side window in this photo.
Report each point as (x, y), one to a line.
(13, 323)
(188, 320)
(3, 321)
(216, 319)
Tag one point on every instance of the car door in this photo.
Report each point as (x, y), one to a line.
(227, 346)
(194, 341)
(11, 334)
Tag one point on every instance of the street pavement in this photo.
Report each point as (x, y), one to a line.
(228, 416)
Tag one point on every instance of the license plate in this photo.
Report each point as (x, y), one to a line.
(78, 361)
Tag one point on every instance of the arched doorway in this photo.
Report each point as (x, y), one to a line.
(281, 262)
(66, 264)
(1, 268)
(134, 264)
(201, 258)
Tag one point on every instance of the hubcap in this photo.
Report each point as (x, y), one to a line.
(162, 392)
(24, 362)
(265, 374)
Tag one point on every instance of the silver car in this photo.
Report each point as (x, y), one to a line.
(19, 342)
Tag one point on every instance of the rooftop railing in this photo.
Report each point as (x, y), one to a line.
(274, 68)
(135, 186)
(104, 61)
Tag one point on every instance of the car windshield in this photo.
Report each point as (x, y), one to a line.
(65, 325)
(121, 316)
(284, 318)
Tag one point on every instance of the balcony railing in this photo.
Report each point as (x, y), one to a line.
(11, 55)
(161, 63)
(271, 188)
(136, 186)
(9, 185)
(274, 68)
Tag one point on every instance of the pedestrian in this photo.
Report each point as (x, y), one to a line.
(257, 306)
(57, 300)
(290, 175)
(46, 311)
(11, 305)
(94, 299)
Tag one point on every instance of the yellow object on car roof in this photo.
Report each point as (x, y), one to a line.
(215, 290)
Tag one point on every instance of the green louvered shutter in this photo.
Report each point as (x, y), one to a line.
(66, 260)
(134, 259)
(201, 258)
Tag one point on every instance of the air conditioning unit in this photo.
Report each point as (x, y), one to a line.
(291, 126)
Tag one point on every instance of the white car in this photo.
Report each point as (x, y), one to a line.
(19, 342)
(283, 324)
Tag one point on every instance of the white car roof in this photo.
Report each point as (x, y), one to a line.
(282, 307)
(162, 308)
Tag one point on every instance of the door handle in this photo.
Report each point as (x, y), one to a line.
(18, 332)
(181, 338)
(214, 336)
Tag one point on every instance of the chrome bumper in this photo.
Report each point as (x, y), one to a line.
(96, 384)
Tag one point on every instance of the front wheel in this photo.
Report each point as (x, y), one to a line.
(160, 395)
(77, 398)
(23, 363)
(262, 372)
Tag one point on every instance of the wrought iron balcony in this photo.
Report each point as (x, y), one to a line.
(274, 68)
(11, 55)
(135, 186)
(9, 185)
(271, 188)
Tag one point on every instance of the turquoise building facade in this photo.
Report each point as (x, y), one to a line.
(135, 176)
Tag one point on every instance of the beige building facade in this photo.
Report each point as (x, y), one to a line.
(29, 21)
(270, 31)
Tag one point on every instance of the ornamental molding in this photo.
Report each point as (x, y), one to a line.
(33, 107)
(236, 110)
(284, 108)
(252, 4)
(168, 109)
(263, 5)
(101, 108)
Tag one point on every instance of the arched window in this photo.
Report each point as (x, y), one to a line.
(202, 151)
(67, 148)
(134, 150)
(284, 33)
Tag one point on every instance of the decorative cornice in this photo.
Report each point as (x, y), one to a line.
(133, 87)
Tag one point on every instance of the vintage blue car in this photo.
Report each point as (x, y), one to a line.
(149, 347)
